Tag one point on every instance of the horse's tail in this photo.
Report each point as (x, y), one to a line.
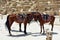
(7, 22)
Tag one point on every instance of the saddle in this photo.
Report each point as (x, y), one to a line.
(46, 17)
(33, 12)
(22, 16)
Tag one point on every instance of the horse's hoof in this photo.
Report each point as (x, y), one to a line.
(25, 32)
(51, 30)
(40, 32)
(20, 30)
(43, 33)
(10, 35)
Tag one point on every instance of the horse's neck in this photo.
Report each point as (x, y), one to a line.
(40, 16)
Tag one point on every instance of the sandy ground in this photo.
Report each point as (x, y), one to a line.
(33, 30)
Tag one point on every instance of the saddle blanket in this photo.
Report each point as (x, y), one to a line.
(21, 16)
(45, 17)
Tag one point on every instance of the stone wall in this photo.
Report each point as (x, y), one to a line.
(17, 6)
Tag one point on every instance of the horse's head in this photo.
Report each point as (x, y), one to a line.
(36, 16)
(29, 17)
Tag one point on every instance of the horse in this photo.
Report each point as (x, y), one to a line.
(19, 18)
(27, 18)
(42, 18)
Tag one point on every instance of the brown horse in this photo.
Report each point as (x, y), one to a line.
(27, 18)
(19, 18)
(44, 19)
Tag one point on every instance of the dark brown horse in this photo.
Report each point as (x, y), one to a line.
(19, 18)
(44, 19)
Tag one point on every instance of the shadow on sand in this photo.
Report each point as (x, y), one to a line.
(29, 33)
(38, 34)
(19, 35)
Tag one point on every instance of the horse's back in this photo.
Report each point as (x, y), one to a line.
(47, 18)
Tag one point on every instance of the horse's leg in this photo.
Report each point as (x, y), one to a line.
(8, 25)
(9, 28)
(40, 28)
(52, 23)
(25, 24)
(43, 29)
(20, 27)
(52, 27)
